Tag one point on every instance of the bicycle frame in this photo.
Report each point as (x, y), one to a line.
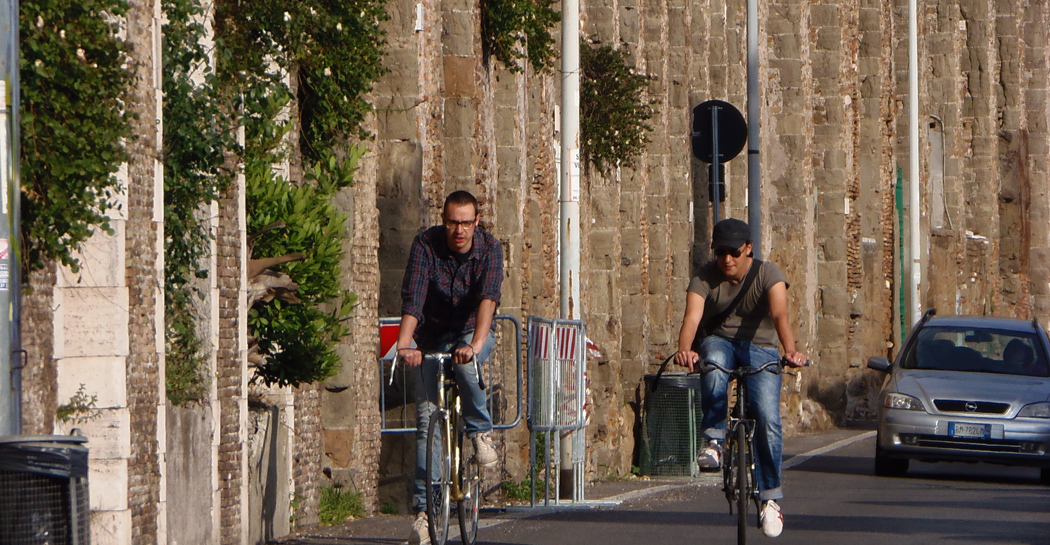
(446, 421)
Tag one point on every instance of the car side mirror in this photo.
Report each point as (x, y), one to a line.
(879, 363)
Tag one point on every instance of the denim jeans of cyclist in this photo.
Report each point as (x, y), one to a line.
(763, 405)
(476, 418)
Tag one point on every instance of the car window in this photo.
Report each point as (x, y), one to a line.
(977, 350)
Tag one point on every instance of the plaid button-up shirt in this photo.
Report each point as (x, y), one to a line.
(442, 293)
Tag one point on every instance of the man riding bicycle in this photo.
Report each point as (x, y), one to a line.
(736, 310)
(450, 293)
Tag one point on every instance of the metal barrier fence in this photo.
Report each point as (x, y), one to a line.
(502, 373)
(557, 358)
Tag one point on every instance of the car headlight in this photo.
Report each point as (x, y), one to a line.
(902, 402)
(1035, 410)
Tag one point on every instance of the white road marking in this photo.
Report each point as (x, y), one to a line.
(802, 458)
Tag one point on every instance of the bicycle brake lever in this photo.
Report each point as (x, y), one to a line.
(393, 365)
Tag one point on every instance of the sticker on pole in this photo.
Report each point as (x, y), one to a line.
(574, 175)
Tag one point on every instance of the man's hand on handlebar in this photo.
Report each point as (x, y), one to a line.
(411, 356)
(464, 354)
(686, 358)
(795, 359)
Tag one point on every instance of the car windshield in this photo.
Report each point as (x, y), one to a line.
(977, 350)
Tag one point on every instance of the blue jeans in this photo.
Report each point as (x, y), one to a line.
(763, 405)
(476, 417)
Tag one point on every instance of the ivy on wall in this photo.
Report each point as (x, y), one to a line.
(197, 133)
(332, 52)
(74, 84)
(519, 29)
(613, 109)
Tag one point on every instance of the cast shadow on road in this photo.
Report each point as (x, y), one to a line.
(1033, 533)
(946, 471)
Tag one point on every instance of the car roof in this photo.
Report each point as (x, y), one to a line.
(985, 322)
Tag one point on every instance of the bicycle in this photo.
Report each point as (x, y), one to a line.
(738, 468)
(452, 470)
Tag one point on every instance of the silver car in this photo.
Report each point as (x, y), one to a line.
(966, 388)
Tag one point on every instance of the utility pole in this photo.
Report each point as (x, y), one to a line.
(754, 178)
(569, 194)
(10, 309)
(914, 212)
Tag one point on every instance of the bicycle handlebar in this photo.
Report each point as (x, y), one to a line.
(440, 356)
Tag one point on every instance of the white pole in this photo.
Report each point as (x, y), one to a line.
(569, 198)
(754, 178)
(914, 213)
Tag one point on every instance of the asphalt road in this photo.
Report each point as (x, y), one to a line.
(831, 497)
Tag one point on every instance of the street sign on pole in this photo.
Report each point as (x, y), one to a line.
(719, 133)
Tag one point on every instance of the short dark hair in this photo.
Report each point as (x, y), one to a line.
(460, 198)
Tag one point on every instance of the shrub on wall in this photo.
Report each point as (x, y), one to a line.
(613, 108)
(74, 84)
(519, 29)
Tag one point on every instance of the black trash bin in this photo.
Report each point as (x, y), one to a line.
(671, 426)
(44, 490)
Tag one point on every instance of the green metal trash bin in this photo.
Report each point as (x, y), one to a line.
(671, 426)
(44, 490)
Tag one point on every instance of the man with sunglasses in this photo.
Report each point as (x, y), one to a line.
(735, 313)
(450, 293)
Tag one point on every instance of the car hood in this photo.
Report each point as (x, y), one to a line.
(1012, 389)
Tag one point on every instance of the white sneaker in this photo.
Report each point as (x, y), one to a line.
(710, 457)
(420, 532)
(772, 519)
(484, 449)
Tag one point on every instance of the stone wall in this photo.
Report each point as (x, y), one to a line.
(833, 126)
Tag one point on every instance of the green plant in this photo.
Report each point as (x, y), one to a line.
(197, 134)
(75, 77)
(519, 29)
(337, 505)
(389, 507)
(613, 108)
(80, 409)
(515, 490)
(296, 340)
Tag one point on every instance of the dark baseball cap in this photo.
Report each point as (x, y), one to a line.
(730, 233)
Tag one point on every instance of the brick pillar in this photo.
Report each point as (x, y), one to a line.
(39, 376)
(306, 454)
(231, 365)
(143, 279)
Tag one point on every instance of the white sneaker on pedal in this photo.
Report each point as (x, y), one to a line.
(484, 449)
(771, 518)
(711, 457)
(420, 532)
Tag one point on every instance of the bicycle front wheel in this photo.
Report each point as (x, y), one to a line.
(469, 486)
(439, 475)
(742, 482)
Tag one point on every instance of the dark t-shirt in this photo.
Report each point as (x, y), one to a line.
(750, 320)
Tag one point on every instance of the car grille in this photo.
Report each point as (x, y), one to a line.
(976, 445)
(982, 407)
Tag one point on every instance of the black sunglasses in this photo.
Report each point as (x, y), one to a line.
(723, 251)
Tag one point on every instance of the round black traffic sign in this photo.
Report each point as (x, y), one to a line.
(732, 131)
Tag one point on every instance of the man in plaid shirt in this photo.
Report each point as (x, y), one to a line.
(450, 293)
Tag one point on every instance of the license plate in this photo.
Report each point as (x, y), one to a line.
(960, 429)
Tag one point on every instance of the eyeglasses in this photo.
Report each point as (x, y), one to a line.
(723, 251)
(466, 224)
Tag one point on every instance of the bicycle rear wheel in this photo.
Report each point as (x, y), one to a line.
(742, 482)
(469, 486)
(439, 475)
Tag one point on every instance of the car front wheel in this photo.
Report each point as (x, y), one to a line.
(886, 466)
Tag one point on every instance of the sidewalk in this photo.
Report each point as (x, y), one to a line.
(394, 529)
